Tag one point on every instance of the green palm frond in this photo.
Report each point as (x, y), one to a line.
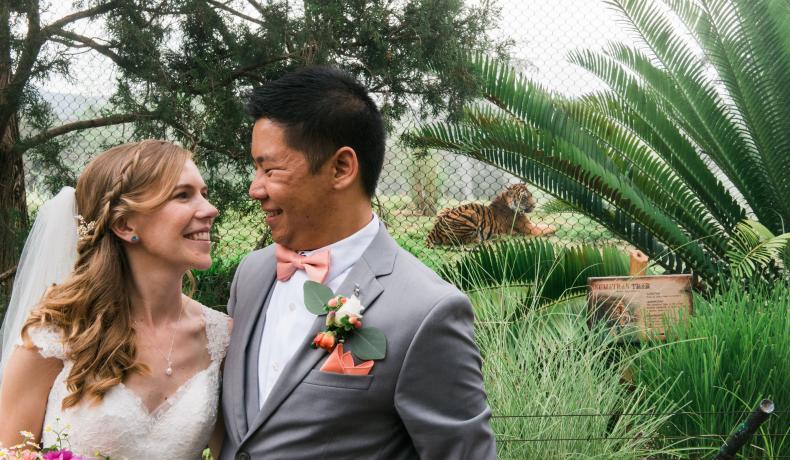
(753, 249)
(719, 128)
(651, 124)
(556, 206)
(656, 179)
(558, 272)
(744, 42)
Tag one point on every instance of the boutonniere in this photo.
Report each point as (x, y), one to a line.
(343, 323)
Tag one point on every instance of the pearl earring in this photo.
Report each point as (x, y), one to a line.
(135, 238)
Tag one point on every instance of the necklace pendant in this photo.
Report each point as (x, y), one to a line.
(169, 371)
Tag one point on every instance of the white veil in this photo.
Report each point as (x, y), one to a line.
(48, 257)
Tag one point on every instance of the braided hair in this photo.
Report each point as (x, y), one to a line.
(92, 307)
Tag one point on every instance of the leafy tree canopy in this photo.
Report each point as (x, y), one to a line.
(184, 65)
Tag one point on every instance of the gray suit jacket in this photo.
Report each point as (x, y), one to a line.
(424, 399)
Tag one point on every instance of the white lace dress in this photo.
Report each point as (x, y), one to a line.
(120, 426)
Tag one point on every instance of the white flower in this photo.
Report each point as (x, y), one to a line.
(351, 307)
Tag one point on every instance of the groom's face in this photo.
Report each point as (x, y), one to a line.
(292, 199)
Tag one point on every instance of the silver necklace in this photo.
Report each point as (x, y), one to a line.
(169, 370)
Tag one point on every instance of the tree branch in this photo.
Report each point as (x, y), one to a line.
(89, 13)
(245, 71)
(236, 13)
(34, 40)
(257, 6)
(50, 134)
(5, 46)
(110, 53)
(8, 273)
(12, 94)
(87, 42)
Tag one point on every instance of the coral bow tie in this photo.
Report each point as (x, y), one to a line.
(316, 265)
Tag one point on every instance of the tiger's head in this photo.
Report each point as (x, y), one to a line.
(517, 197)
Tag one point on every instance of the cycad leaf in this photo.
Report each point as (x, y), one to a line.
(557, 206)
(753, 248)
(552, 272)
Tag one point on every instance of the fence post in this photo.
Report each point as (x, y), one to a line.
(745, 430)
(639, 263)
(638, 267)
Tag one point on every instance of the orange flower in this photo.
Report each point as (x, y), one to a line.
(328, 341)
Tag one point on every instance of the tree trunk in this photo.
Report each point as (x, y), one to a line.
(13, 204)
(13, 207)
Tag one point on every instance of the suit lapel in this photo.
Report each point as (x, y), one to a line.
(261, 282)
(377, 260)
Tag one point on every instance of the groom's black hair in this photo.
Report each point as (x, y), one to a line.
(323, 109)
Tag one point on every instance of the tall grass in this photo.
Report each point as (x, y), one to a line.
(554, 386)
(732, 353)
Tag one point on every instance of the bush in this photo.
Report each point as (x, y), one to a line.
(212, 286)
(732, 353)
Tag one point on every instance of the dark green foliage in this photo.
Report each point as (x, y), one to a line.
(732, 353)
(546, 272)
(212, 286)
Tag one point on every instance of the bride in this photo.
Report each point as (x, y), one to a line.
(115, 355)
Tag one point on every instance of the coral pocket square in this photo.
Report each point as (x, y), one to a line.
(343, 363)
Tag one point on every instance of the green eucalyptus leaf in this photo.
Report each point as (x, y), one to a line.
(367, 343)
(316, 295)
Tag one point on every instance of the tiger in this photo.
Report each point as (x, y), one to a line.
(475, 222)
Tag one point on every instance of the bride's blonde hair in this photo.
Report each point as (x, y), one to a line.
(92, 307)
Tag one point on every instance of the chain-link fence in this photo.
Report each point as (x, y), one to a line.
(414, 186)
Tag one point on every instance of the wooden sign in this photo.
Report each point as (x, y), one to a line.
(638, 306)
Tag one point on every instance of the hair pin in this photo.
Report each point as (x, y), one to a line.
(84, 229)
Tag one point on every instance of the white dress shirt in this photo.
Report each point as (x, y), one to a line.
(287, 318)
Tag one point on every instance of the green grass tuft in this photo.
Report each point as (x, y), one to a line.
(547, 362)
(733, 352)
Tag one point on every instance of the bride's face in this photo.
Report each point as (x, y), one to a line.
(177, 234)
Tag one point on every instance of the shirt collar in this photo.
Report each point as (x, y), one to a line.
(346, 252)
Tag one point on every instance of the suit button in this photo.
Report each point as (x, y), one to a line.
(242, 456)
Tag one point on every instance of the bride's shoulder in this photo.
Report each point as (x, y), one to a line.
(47, 339)
(212, 315)
(218, 329)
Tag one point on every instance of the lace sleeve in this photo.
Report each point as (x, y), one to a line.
(48, 340)
(217, 332)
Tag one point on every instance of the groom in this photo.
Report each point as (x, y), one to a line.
(318, 149)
